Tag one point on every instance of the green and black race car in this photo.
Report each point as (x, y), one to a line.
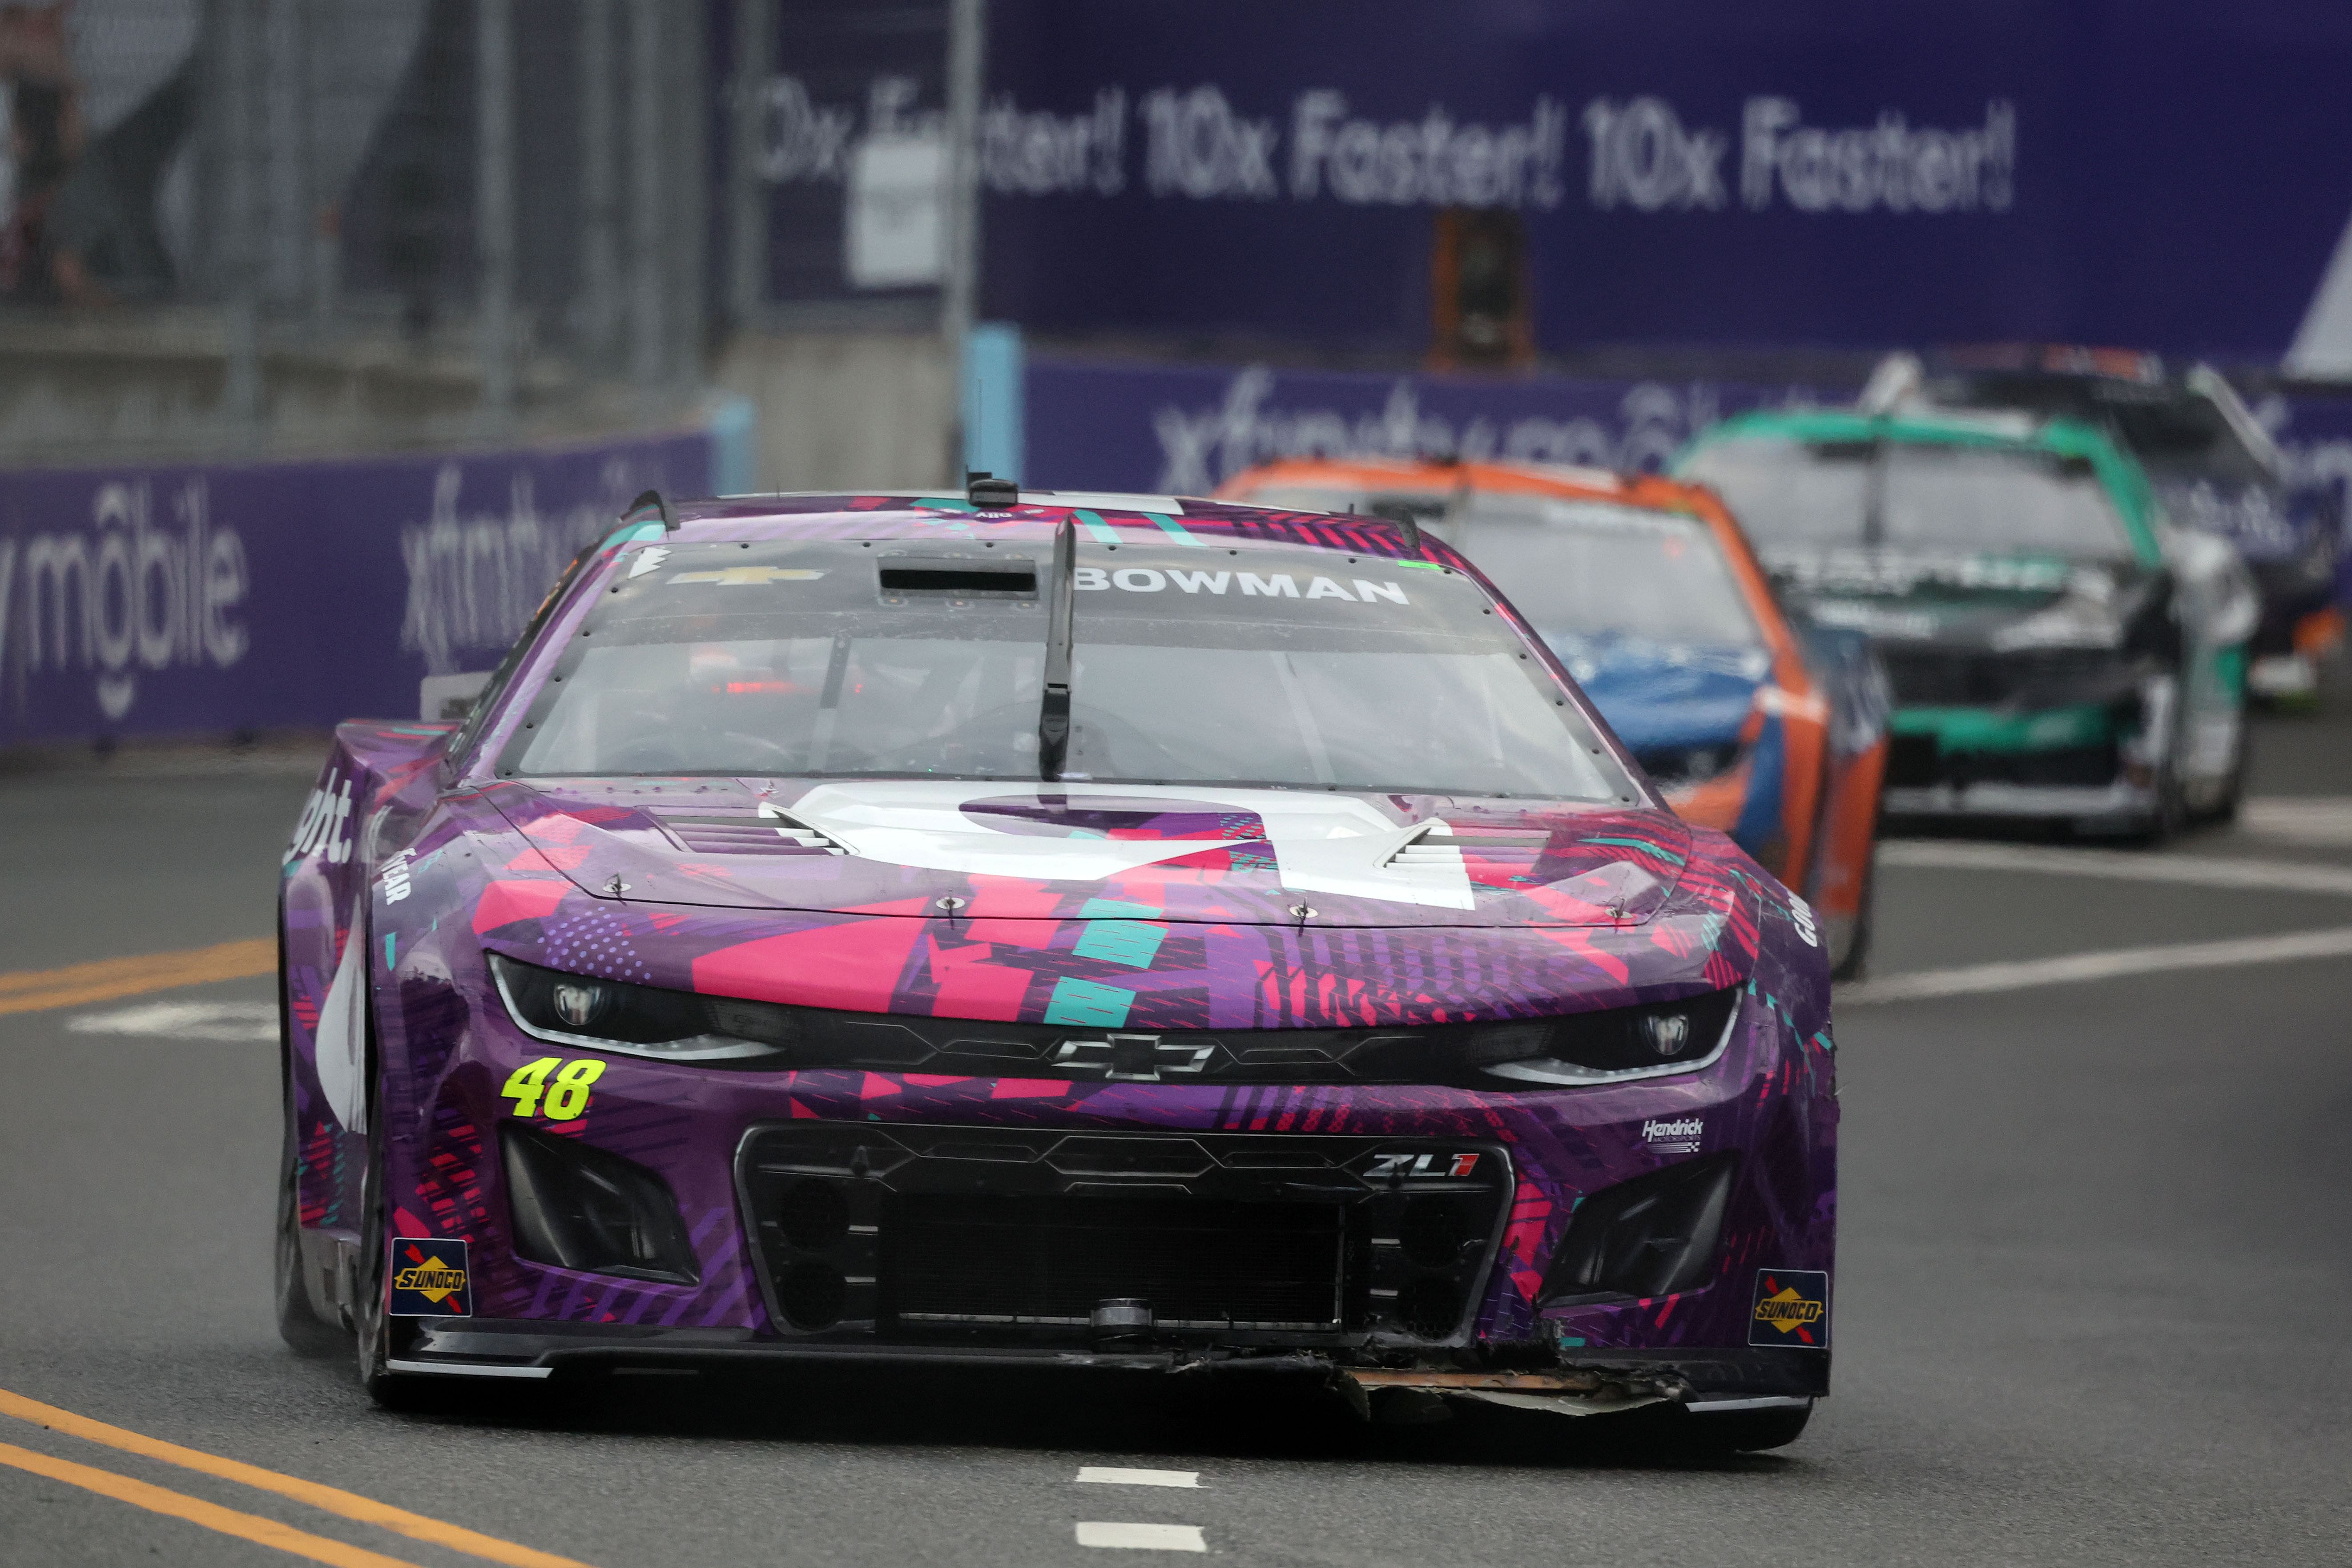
(2057, 648)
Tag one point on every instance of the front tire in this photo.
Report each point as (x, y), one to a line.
(301, 1327)
(372, 1328)
(298, 1324)
(1747, 1431)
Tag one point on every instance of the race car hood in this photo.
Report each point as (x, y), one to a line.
(1663, 695)
(2000, 602)
(990, 851)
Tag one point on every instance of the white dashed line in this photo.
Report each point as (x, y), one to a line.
(1142, 1537)
(2123, 864)
(253, 1021)
(1976, 978)
(2313, 819)
(1113, 1475)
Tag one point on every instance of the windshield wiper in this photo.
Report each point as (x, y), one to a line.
(1054, 712)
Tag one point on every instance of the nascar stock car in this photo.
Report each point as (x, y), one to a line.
(2213, 466)
(2057, 649)
(1113, 932)
(1753, 721)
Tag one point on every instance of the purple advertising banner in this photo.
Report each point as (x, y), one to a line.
(1184, 429)
(211, 598)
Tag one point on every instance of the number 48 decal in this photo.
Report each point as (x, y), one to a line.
(567, 1095)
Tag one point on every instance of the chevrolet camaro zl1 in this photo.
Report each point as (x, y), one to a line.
(1044, 929)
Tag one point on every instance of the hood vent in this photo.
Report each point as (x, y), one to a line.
(1438, 844)
(766, 831)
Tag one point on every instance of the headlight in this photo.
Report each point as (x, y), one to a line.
(2071, 622)
(1622, 1042)
(614, 1016)
(639, 1020)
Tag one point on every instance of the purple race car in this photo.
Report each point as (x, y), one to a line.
(1056, 930)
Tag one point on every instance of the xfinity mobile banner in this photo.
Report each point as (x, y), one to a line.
(2165, 175)
(208, 599)
(1185, 429)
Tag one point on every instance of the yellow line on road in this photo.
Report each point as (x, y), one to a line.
(195, 1511)
(351, 1505)
(31, 990)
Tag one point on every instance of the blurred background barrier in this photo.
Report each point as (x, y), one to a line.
(1140, 245)
(213, 597)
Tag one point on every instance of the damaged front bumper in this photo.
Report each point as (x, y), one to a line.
(1585, 1381)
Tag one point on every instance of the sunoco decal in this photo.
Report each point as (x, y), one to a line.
(429, 1279)
(1792, 1308)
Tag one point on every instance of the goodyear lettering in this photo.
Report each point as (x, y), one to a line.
(394, 877)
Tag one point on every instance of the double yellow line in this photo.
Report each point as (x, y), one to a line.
(248, 1526)
(32, 990)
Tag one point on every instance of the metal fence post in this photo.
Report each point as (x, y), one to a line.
(600, 238)
(686, 243)
(959, 290)
(494, 203)
(241, 312)
(322, 211)
(288, 147)
(648, 328)
(747, 229)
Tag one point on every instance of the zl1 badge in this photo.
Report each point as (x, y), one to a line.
(429, 1279)
(1792, 1308)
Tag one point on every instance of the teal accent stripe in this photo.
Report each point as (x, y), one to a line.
(1083, 1002)
(1134, 943)
(1643, 844)
(1104, 533)
(389, 938)
(1117, 909)
(1175, 530)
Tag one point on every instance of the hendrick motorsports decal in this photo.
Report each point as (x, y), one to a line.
(1792, 1308)
(428, 1279)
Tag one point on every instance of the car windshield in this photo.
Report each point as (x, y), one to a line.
(1787, 493)
(1577, 568)
(1262, 664)
(2169, 429)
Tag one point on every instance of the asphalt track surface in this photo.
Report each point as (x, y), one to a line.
(2092, 1295)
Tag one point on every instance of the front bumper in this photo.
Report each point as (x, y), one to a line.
(1446, 1208)
(1583, 1382)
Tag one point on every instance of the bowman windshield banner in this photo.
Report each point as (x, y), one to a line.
(2165, 174)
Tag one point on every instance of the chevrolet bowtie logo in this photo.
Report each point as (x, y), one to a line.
(1133, 1058)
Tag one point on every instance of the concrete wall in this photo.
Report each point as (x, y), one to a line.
(845, 409)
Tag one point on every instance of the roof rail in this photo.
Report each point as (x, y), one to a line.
(652, 499)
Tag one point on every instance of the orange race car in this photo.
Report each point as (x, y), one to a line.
(1766, 727)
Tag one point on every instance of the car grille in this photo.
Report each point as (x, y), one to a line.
(916, 1234)
(1913, 762)
(1930, 678)
(1202, 1264)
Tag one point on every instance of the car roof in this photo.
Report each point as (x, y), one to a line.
(2126, 482)
(1652, 491)
(1649, 492)
(942, 516)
